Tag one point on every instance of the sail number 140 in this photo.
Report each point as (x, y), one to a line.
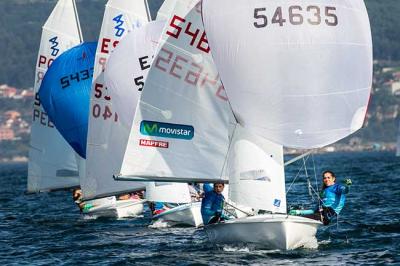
(297, 15)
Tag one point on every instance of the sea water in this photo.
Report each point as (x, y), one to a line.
(47, 229)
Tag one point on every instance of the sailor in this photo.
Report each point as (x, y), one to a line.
(77, 196)
(333, 196)
(332, 199)
(212, 205)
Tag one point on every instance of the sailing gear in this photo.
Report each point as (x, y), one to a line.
(334, 197)
(212, 205)
(301, 212)
(348, 182)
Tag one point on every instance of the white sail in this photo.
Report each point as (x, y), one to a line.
(52, 162)
(171, 135)
(166, 10)
(297, 73)
(168, 192)
(256, 172)
(120, 17)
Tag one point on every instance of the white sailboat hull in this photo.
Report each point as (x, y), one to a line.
(119, 209)
(188, 214)
(272, 231)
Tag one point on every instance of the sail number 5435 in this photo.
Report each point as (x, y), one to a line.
(297, 15)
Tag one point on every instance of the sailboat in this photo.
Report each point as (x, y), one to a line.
(120, 17)
(52, 164)
(284, 99)
(133, 58)
(272, 99)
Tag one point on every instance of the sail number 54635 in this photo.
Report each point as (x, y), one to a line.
(297, 15)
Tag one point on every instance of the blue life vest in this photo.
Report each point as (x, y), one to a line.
(212, 204)
(334, 197)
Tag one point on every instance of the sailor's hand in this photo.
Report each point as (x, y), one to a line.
(348, 182)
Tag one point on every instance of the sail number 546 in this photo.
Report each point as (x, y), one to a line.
(297, 15)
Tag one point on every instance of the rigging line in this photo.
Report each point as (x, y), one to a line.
(308, 180)
(78, 24)
(316, 180)
(295, 159)
(298, 173)
(248, 214)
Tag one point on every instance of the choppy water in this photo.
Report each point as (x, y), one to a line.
(48, 229)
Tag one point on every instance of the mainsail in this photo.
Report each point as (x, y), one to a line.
(120, 17)
(171, 137)
(296, 73)
(125, 77)
(256, 172)
(52, 163)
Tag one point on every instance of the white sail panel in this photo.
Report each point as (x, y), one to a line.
(52, 162)
(120, 17)
(297, 73)
(256, 172)
(166, 10)
(168, 192)
(182, 126)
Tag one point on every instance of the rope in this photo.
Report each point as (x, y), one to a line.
(308, 180)
(248, 214)
(297, 175)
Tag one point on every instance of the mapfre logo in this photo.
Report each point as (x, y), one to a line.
(166, 130)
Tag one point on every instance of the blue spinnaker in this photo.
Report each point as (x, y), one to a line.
(65, 93)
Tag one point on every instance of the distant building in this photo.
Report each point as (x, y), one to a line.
(7, 92)
(396, 88)
(6, 133)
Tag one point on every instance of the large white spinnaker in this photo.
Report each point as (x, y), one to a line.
(52, 163)
(256, 172)
(171, 138)
(298, 73)
(104, 157)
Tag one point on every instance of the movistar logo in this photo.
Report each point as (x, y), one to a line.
(54, 49)
(166, 130)
(120, 30)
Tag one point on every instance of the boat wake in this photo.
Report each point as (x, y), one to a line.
(160, 224)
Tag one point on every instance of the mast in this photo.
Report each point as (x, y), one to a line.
(78, 24)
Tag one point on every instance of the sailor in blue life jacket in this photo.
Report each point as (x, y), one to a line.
(212, 205)
(333, 198)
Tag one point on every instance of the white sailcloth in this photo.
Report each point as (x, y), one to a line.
(168, 192)
(166, 10)
(171, 135)
(256, 172)
(52, 163)
(104, 157)
(296, 72)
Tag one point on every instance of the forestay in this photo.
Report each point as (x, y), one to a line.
(256, 172)
(296, 72)
(172, 139)
(120, 17)
(52, 162)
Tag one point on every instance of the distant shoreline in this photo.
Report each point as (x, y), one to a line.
(386, 147)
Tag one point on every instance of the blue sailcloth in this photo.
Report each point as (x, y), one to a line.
(65, 94)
